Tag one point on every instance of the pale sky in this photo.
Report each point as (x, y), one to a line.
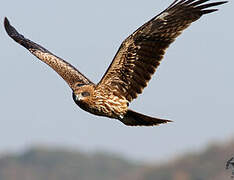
(193, 85)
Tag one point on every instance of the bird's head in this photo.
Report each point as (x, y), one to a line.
(83, 92)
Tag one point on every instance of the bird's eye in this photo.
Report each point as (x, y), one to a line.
(79, 85)
(85, 94)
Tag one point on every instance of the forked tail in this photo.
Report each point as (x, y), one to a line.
(133, 118)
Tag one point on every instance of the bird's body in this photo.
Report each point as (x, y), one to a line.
(132, 67)
(101, 101)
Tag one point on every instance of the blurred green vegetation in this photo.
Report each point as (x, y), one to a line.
(53, 164)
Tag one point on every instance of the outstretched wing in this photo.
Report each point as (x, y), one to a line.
(140, 54)
(69, 73)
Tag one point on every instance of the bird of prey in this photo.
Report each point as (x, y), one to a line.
(132, 67)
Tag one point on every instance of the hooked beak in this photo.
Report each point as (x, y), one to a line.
(78, 97)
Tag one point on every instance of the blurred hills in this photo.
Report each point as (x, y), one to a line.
(60, 164)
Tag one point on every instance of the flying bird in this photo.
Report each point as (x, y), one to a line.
(132, 67)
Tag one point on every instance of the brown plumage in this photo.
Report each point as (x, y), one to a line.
(132, 67)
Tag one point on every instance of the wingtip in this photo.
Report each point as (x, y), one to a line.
(169, 121)
(5, 19)
(207, 11)
(223, 2)
(7, 26)
(11, 31)
(6, 22)
(219, 3)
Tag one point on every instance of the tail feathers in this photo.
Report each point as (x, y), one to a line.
(133, 118)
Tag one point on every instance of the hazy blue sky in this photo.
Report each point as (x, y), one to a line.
(193, 86)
